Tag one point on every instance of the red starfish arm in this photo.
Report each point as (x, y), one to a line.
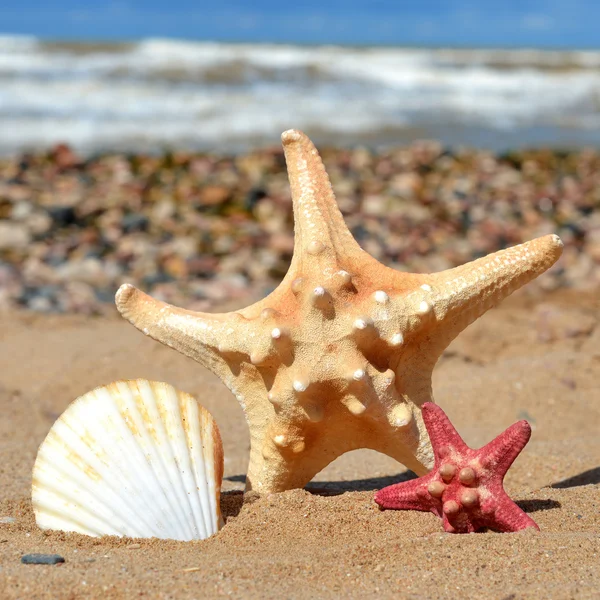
(408, 495)
(459, 525)
(506, 516)
(441, 431)
(500, 453)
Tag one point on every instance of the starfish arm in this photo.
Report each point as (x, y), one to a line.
(508, 516)
(501, 452)
(441, 431)
(408, 495)
(458, 525)
(319, 228)
(461, 295)
(194, 334)
(340, 355)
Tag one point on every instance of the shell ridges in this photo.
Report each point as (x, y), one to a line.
(135, 458)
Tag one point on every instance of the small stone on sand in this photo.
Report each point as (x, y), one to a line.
(42, 559)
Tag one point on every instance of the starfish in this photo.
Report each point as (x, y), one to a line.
(339, 356)
(464, 488)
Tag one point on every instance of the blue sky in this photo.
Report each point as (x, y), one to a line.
(540, 23)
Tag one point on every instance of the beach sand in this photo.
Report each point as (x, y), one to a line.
(535, 357)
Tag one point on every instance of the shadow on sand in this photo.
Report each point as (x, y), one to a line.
(530, 506)
(591, 476)
(334, 488)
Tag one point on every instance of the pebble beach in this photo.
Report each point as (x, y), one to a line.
(200, 229)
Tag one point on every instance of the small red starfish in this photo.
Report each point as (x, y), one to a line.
(464, 488)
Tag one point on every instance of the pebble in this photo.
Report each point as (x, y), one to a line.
(134, 546)
(190, 226)
(134, 222)
(62, 215)
(14, 236)
(42, 559)
(6, 520)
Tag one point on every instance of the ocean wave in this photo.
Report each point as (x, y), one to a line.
(164, 92)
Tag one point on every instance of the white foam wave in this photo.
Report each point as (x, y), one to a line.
(161, 92)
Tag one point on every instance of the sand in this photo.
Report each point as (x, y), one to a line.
(534, 357)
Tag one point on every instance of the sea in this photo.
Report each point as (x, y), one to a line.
(158, 94)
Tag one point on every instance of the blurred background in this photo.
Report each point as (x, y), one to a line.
(139, 141)
(143, 75)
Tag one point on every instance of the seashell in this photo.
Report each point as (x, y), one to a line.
(132, 458)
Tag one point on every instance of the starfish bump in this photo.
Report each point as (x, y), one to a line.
(464, 488)
(340, 355)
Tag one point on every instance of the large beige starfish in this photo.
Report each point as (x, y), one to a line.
(340, 355)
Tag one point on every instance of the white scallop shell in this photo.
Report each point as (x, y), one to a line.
(135, 458)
